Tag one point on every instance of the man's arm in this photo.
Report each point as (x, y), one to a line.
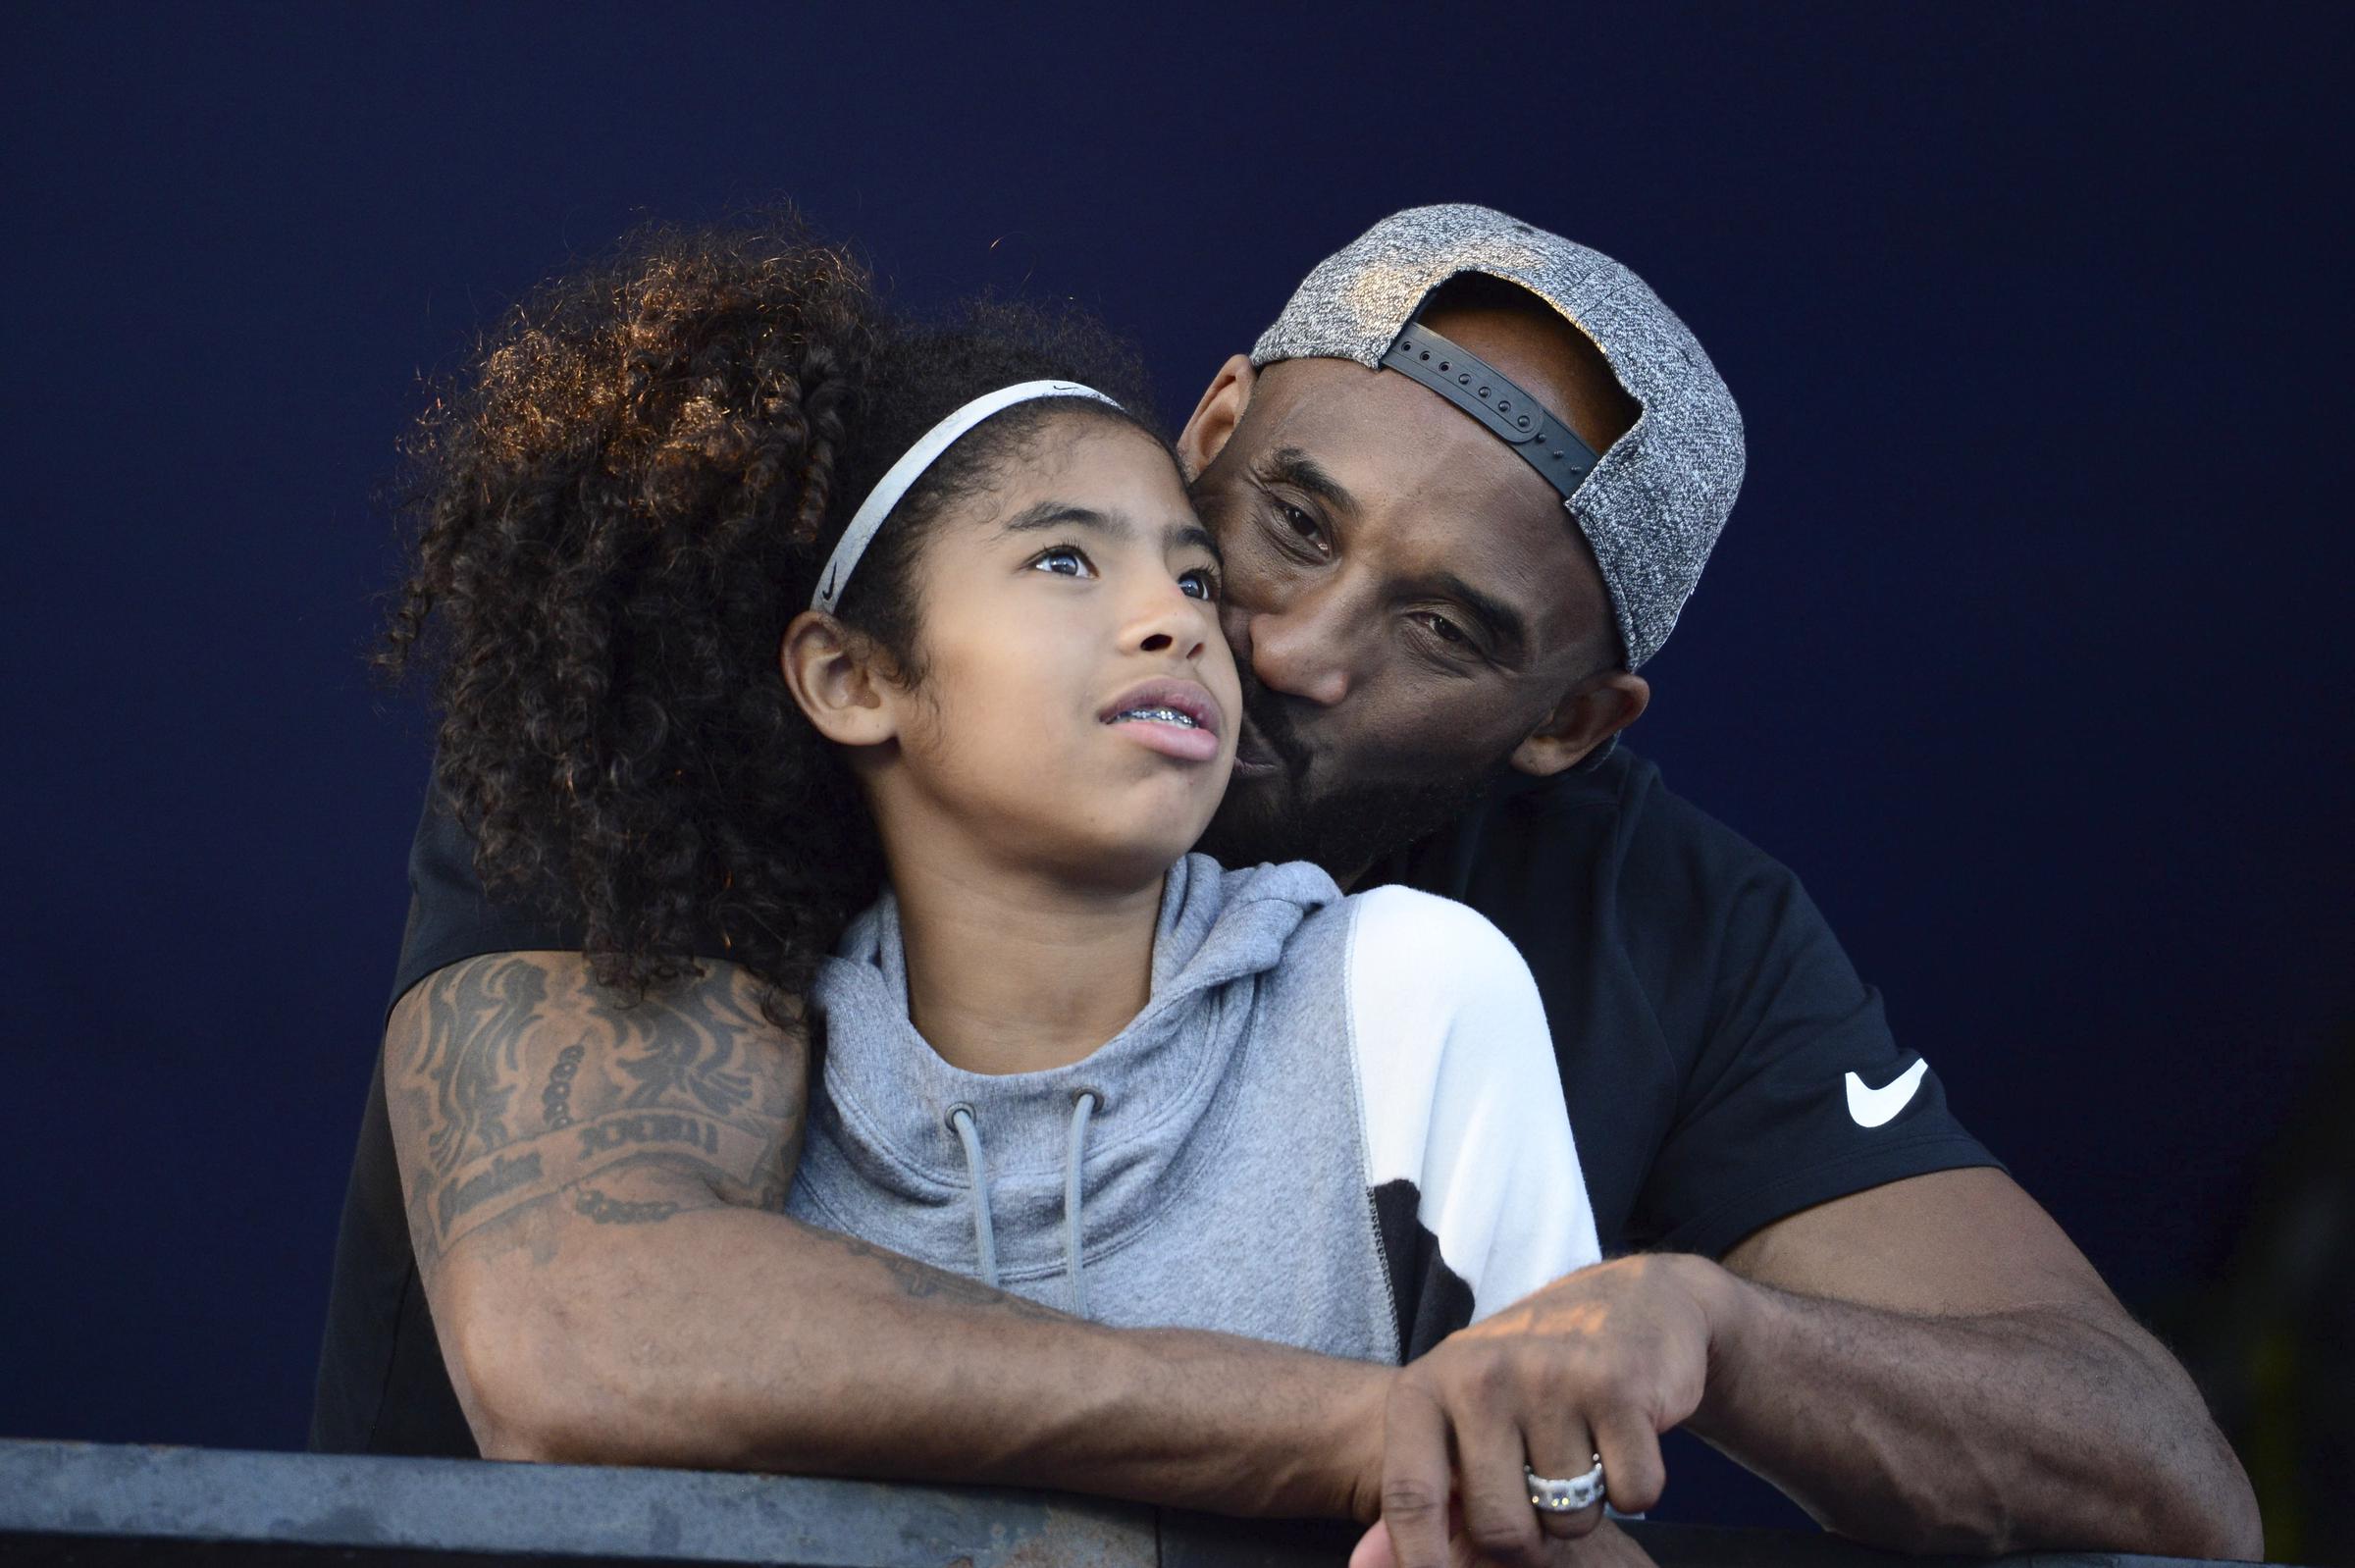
(1931, 1364)
(1923, 1360)
(594, 1192)
(1926, 1365)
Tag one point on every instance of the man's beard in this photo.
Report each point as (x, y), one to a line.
(1346, 829)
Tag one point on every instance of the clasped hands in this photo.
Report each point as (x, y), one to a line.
(1601, 1362)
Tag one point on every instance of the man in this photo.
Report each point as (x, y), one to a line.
(1463, 487)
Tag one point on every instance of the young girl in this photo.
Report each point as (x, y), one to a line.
(766, 609)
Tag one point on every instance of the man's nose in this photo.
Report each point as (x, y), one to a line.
(1304, 650)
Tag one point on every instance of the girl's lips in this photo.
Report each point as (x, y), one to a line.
(1190, 698)
(1172, 740)
(1187, 723)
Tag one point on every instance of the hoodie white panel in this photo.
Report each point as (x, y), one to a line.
(1460, 1096)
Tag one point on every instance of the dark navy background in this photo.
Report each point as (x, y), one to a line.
(2027, 644)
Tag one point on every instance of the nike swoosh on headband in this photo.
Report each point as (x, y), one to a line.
(868, 521)
(1872, 1108)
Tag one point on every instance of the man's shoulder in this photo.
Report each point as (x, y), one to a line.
(453, 917)
(1643, 917)
(1636, 795)
(1614, 828)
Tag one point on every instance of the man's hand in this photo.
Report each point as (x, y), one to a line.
(1925, 1366)
(1601, 1362)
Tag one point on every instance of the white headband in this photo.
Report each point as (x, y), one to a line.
(869, 520)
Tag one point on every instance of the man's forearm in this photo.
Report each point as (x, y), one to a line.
(2038, 1427)
(727, 1338)
(594, 1195)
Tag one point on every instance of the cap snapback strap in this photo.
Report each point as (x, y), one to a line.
(1545, 441)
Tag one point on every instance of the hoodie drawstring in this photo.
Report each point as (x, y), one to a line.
(985, 1237)
(1082, 1104)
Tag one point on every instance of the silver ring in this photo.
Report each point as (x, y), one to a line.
(1565, 1497)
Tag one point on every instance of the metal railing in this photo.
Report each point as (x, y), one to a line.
(98, 1503)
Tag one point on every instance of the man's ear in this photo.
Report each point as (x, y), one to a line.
(1216, 416)
(1588, 714)
(830, 671)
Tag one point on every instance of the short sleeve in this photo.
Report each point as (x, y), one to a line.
(1798, 1093)
(1469, 1151)
(452, 918)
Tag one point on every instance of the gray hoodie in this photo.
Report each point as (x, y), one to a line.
(1336, 1123)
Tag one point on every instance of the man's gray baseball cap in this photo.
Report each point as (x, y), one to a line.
(1653, 504)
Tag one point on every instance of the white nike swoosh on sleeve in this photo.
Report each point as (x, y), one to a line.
(1870, 1108)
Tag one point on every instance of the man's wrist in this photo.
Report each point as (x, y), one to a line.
(1295, 1434)
(1361, 1440)
(1325, 1461)
(1729, 1307)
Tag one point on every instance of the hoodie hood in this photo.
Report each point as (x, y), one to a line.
(889, 1164)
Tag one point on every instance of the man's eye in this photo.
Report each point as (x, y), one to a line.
(1303, 526)
(1201, 583)
(1064, 560)
(1445, 630)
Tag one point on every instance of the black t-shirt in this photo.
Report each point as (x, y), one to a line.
(1723, 1064)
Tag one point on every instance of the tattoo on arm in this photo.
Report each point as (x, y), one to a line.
(649, 1126)
(689, 1049)
(501, 1175)
(687, 1101)
(693, 1088)
(555, 1101)
(478, 1014)
(603, 1210)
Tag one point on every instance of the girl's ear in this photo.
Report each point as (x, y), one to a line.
(829, 672)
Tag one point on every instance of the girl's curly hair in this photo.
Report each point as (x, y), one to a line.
(619, 502)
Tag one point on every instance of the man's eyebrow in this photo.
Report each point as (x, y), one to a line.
(1289, 465)
(1505, 624)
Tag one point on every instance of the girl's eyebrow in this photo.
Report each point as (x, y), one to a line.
(1047, 514)
(1193, 533)
(1041, 517)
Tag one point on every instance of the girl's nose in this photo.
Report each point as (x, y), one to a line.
(1174, 622)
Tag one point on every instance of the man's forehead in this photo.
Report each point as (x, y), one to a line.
(1390, 442)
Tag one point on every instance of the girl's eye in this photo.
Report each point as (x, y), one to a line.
(1064, 560)
(1201, 583)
